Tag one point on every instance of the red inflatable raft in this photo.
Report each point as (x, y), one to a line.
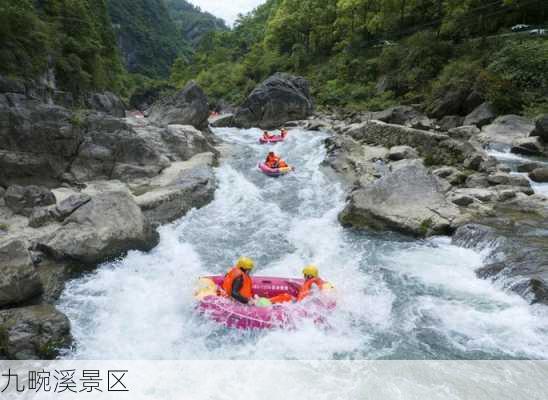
(232, 314)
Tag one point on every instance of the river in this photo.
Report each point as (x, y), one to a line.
(398, 298)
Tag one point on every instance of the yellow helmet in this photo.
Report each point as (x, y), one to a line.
(311, 270)
(245, 263)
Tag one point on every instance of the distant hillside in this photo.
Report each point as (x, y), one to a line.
(147, 36)
(192, 22)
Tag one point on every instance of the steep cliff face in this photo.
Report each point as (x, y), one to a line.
(153, 33)
(147, 36)
(192, 22)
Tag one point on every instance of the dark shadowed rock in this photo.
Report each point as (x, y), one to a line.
(481, 116)
(528, 146)
(186, 107)
(539, 175)
(106, 227)
(33, 333)
(18, 278)
(143, 98)
(107, 103)
(280, 98)
(409, 200)
(398, 153)
(541, 128)
(473, 101)
(451, 103)
(450, 122)
(529, 166)
(22, 199)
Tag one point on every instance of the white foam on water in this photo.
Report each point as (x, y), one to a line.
(389, 291)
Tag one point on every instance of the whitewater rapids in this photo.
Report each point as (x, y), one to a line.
(398, 298)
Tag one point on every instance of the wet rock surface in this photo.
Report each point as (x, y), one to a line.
(72, 190)
(186, 107)
(280, 98)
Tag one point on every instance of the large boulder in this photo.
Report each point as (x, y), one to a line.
(18, 278)
(23, 199)
(113, 149)
(506, 129)
(279, 99)
(541, 128)
(451, 103)
(409, 200)
(188, 106)
(104, 228)
(481, 116)
(107, 103)
(185, 141)
(539, 175)
(33, 333)
(183, 186)
(37, 143)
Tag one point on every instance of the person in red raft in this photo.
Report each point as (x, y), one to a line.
(273, 161)
(312, 282)
(267, 135)
(238, 285)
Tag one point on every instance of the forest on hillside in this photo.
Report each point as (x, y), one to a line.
(374, 53)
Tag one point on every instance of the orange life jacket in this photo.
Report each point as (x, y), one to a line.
(272, 161)
(247, 287)
(307, 286)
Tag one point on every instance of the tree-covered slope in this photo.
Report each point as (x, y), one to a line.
(74, 37)
(192, 22)
(373, 53)
(148, 38)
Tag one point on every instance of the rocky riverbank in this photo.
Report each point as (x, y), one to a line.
(413, 174)
(82, 186)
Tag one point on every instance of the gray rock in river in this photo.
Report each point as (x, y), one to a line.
(506, 129)
(33, 333)
(528, 146)
(106, 227)
(539, 175)
(189, 106)
(409, 200)
(481, 116)
(280, 98)
(515, 237)
(18, 277)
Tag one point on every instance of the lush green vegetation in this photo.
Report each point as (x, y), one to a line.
(374, 53)
(74, 37)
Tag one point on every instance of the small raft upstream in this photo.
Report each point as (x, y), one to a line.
(232, 314)
(265, 169)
